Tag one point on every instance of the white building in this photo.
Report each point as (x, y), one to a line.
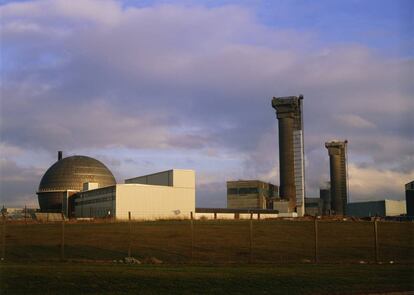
(164, 195)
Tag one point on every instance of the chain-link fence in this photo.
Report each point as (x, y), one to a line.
(209, 241)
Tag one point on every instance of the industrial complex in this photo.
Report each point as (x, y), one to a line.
(83, 187)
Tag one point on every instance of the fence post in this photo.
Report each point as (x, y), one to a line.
(192, 236)
(3, 237)
(130, 233)
(251, 239)
(376, 240)
(25, 215)
(316, 240)
(62, 244)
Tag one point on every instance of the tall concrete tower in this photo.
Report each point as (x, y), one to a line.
(291, 151)
(339, 181)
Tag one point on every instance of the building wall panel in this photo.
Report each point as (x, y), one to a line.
(150, 202)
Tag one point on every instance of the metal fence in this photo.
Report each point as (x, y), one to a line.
(209, 241)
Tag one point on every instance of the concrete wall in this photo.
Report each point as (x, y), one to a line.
(281, 205)
(150, 202)
(395, 208)
(211, 216)
(183, 178)
(246, 201)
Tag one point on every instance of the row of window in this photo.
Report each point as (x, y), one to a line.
(249, 190)
(242, 191)
(93, 201)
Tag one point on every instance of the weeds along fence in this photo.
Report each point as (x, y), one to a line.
(210, 241)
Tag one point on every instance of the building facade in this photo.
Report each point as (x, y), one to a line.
(250, 194)
(164, 195)
(313, 206)
(291, 151)
(381, 208)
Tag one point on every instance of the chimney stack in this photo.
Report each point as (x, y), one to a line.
(291, 153)
(59, 155)
(339, 178)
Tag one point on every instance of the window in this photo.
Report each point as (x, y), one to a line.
(232, 191)
(248, 190)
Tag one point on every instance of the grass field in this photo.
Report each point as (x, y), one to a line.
(76, 278)
(214, 241)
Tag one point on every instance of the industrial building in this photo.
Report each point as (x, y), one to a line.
(339, 178)
(314, 206)
(168, 194)
(325, 196)
(80, 186)
(381, 208)
(409, 198)
(291, 151)
(251, 194)
(66, 177)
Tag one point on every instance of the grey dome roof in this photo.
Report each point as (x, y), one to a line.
(70, 173)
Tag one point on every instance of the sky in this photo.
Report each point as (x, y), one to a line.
(146, 86)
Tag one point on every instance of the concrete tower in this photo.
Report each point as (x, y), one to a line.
(291, 151)
(325, 195)
(339, 180)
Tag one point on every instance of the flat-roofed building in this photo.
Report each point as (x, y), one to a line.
(313, 206)
(251, 194)
(164, 195)
(377, 208)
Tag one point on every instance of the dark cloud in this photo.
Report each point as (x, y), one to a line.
(195, 79)
(18, 185)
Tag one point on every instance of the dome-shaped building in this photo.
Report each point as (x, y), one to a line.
(69, 174)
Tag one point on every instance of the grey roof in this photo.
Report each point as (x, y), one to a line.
(70, 173)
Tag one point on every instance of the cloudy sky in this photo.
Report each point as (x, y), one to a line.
(146, 86)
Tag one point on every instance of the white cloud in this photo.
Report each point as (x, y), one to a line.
(100, 11)
(367, 183)
(354, 121)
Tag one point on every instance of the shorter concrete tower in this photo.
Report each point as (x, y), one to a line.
(339, 178)
(325, 195)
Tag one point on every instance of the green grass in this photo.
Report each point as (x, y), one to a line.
(214, 241)
(106, 278)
